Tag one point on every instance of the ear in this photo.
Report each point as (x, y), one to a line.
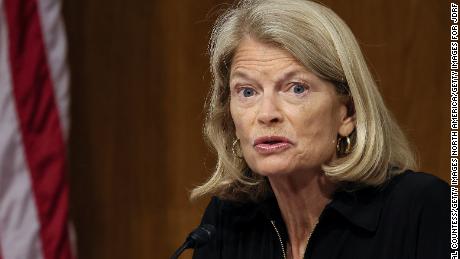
(347, 120)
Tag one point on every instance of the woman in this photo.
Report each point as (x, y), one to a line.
(310, 162)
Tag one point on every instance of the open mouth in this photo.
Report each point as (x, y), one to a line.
(270, 140)
(271, 144)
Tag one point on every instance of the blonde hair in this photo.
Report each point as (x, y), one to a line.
(324, 44)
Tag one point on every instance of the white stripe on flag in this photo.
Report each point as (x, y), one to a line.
(19, 226)
(53, 32)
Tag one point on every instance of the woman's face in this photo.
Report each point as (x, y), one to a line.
(286, 117)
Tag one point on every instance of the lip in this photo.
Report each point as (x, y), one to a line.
(272, 144)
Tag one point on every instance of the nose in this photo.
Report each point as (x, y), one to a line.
(269, 110)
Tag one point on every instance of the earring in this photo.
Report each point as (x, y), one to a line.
(234, 148)
(347, 148)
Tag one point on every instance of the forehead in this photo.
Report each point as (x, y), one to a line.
(255, 55)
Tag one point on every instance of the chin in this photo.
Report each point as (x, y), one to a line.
(271, 168)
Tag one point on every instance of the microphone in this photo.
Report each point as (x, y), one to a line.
(197, 238)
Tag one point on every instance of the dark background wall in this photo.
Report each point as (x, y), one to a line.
(139, 81)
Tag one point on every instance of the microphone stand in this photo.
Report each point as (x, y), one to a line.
(179, 251)
(197, 238)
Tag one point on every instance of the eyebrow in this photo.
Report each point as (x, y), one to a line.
(292, 73)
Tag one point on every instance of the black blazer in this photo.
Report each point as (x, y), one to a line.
(408, 217)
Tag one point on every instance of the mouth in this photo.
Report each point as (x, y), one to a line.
(272, 144)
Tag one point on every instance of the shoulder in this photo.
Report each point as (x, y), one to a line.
(418, 194)
(418, 179)
(220, 205)
(410, 185)
(220, 209)
(417, 206)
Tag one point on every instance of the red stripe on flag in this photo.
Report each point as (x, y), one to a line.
(40, 125)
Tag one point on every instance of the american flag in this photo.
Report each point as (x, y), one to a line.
(34, 85)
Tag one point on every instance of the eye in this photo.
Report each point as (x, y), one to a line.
(298, 88)
(247, 92)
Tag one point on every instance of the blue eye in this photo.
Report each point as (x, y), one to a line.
(298, 88)
(248, 92)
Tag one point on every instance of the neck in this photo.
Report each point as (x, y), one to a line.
(301, 199)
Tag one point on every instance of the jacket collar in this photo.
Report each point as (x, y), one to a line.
(361, 207)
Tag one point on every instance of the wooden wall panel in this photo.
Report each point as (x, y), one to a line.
(139, 80)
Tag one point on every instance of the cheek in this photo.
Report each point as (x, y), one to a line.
(317, 129)
(241, 121)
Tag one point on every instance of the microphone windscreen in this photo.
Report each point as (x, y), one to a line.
(202, 235)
